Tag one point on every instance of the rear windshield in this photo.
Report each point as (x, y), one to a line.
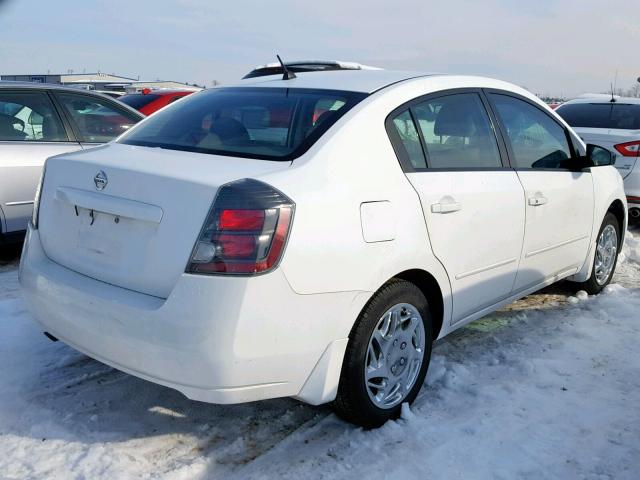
(138, 100)
(263, 123)
(623, 116)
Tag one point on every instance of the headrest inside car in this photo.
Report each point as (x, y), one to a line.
(454, 120)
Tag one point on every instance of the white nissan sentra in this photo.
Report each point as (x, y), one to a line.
(310, 237)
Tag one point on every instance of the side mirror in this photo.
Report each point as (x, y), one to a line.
(598, 156)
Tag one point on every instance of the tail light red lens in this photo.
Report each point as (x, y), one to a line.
(245, 231)
(629, 149)
(241, 219)
(237, 246)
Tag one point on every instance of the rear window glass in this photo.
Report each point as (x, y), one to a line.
(264, 123)
(601, 115)
(138, 100)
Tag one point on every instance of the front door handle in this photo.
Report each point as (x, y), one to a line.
(537, 200)
(445, 207)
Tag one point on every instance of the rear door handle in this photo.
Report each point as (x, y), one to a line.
(447, 207)
(537, 200)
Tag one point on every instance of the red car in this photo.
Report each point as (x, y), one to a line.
(149, 101)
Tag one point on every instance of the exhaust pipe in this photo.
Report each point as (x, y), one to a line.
(634, 213)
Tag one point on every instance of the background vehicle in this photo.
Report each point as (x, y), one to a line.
(111, 93)
(270, 239)
(38, 121)
(298, 66)
(615, 125)
(149, 101)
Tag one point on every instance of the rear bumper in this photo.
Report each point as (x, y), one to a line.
(215, 339)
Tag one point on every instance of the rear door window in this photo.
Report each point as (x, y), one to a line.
(264, 123)
(29, 117)
(455, 132)
(97, 120)
(613, 115)
(537, 140)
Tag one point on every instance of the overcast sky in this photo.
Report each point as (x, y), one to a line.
(551, 47)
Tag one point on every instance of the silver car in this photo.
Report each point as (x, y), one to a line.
(38, 121)
(612, 123)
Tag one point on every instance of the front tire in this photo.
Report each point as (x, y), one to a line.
(606, 256)
(387, 356)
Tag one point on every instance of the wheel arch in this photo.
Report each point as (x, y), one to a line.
(617, 209)
(432, 291)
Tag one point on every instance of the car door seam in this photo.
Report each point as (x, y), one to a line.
(501, 263)
(557, 245)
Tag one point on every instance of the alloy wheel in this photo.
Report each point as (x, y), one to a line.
(394, 355)
(606, 251)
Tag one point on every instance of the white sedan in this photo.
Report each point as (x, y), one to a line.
(311, 236)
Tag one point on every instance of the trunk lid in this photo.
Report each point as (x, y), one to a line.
(130, 216)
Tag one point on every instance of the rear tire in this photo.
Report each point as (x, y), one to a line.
(606, 256)
(387, 356)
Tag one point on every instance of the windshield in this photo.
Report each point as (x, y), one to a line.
(264, 123)
(623, 116)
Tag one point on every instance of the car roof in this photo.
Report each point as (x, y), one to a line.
(370, 81)
(603, 99)
(298, 66)
(40, 86)
(164, 92)
(320, 63)
(365, 81)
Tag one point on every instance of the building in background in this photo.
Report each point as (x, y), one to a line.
(103, 82)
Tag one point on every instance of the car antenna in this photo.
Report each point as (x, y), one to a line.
(613, 87)
(613, 98)
(287, 74)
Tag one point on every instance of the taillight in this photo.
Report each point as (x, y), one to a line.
(629, 149)
(245, 231)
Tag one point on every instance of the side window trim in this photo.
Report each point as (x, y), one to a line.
(423, 142)
(68, 126)
(503, 132)
(503, 146)
(406, 165)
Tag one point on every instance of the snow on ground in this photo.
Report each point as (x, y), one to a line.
(546, 388)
